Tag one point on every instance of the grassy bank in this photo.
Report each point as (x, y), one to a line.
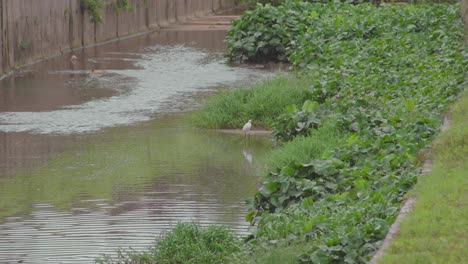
(386, 75)
(435, 231)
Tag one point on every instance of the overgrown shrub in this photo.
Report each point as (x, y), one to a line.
(266, 32)
(294, 122)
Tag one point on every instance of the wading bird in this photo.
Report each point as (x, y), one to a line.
(246, 128)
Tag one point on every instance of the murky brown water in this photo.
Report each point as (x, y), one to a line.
(90, 162)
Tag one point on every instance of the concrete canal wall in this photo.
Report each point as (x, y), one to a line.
(32, 30)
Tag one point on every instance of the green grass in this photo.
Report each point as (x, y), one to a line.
(190, 243)
(302, 149)
(435, 231)
(262, 103)
(186, 243)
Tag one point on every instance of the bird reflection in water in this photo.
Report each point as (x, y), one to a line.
(247, 155)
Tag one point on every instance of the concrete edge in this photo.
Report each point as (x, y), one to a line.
(240, 132)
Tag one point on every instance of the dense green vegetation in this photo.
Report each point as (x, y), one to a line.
(252, 3)
(378, 79)
(386, 75)
(433, 232)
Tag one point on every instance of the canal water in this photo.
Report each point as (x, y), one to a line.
(97, 153)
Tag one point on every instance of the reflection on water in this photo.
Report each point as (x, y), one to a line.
(110, 193)
(247, 155)
(67, 196)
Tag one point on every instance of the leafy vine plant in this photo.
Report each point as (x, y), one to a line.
(124, 5)
(94, 8)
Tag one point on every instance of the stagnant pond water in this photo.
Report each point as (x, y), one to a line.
(90, 162)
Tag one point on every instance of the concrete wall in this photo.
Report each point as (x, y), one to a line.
(35, 29)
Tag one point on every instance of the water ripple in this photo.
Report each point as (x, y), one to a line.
(56, 237)
(163, 73)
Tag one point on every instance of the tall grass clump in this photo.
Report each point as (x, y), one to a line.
(191, 243)
(302, 149)
(262, 103)
(187, 243)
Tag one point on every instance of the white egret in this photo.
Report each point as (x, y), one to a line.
(246, 128)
